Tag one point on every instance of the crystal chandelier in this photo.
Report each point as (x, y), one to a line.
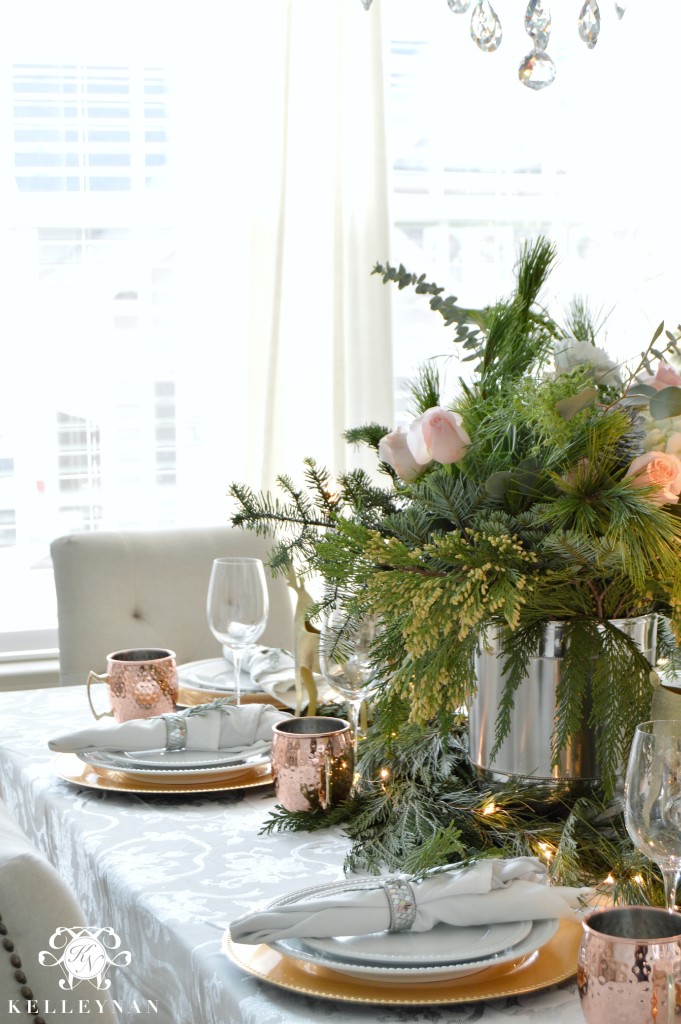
(537, 69)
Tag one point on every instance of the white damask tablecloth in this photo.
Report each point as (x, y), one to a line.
(170, 873)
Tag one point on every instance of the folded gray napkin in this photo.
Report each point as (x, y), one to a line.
(272, 670)
(488, 892)
(215, 726)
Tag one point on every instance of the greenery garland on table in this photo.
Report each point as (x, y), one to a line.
(546, 491)
(421, 806)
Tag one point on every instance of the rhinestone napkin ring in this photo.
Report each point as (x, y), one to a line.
(176, 732)
(402, 903)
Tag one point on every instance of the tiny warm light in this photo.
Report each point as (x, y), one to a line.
(489, 808)
(638, 879)
(384, 773)
(547, 850)
(609, 880)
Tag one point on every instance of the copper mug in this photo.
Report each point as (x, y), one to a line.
(629, 966)
(312, 762)
(142, 682)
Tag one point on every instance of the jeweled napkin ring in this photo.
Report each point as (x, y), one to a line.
(176, 732)
(402, 903)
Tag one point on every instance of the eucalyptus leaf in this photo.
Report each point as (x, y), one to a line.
(642, 389)
(666, 403)
(498, 484)
(570, 407)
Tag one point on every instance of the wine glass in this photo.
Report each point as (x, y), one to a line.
(652, 795)
(344, 658)
(237, 607)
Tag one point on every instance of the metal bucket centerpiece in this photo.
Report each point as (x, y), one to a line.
(526, 751)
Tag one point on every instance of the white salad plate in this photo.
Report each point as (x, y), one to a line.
(443, 944)
(229, 766)
(213, 674)
(540, 933)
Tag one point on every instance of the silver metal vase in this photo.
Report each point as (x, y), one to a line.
(526, 751)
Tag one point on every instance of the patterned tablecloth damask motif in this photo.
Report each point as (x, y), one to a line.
(168, 874)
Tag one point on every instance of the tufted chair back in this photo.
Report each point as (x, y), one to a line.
(148, 589)
(34, 902)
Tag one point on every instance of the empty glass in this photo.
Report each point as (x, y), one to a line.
(344, 648)
(653, 798)
(237, 607)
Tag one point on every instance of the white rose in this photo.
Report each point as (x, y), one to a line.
(569, 354)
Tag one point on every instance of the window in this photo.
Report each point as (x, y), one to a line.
(125, 244)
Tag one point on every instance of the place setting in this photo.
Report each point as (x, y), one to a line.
(216, 746)
(489, 929)
(247, 672)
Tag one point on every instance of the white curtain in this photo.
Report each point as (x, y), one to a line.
(319, 332)
(297, 217)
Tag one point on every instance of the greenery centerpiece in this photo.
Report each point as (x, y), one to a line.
(546, 491)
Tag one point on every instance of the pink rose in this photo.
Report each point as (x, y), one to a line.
(438, 435)
(394, 450)
(661, 470)
(665, 377)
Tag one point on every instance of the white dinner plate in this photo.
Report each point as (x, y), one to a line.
(443, 944)
(171, 760)
(175, 776)
(213, 675)
(540, 933)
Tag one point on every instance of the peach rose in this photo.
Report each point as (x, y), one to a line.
(438, 435)
(661, 470)
(673, 445)
(665, 377)
(394, 450)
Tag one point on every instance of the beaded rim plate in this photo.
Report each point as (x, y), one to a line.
(553, 963)
(212, 675)
(444, 944)
(402, 974)
(174, 776)
(71, 769)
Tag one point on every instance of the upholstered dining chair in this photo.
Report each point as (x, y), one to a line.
(34, 903)
(137, 588)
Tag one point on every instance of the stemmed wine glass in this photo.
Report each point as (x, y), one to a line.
(653, 798)
(344, 658)
(237, 607)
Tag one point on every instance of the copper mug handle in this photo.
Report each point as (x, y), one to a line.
(102, 679)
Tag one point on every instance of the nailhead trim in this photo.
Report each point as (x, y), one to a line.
(19, 975)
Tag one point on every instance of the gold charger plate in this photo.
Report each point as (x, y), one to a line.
(70, 768)
(553, 963)
(188, 697)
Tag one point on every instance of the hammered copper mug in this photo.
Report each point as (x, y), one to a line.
(629, 966)
(142, 682)
(312, 762)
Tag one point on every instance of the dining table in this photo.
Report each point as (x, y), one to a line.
(169, 871)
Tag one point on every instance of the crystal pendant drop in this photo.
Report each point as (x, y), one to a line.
(538, 23)
(590, 23)
(367, 4)
(458, 6)
(485, 26)
(537, 70)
